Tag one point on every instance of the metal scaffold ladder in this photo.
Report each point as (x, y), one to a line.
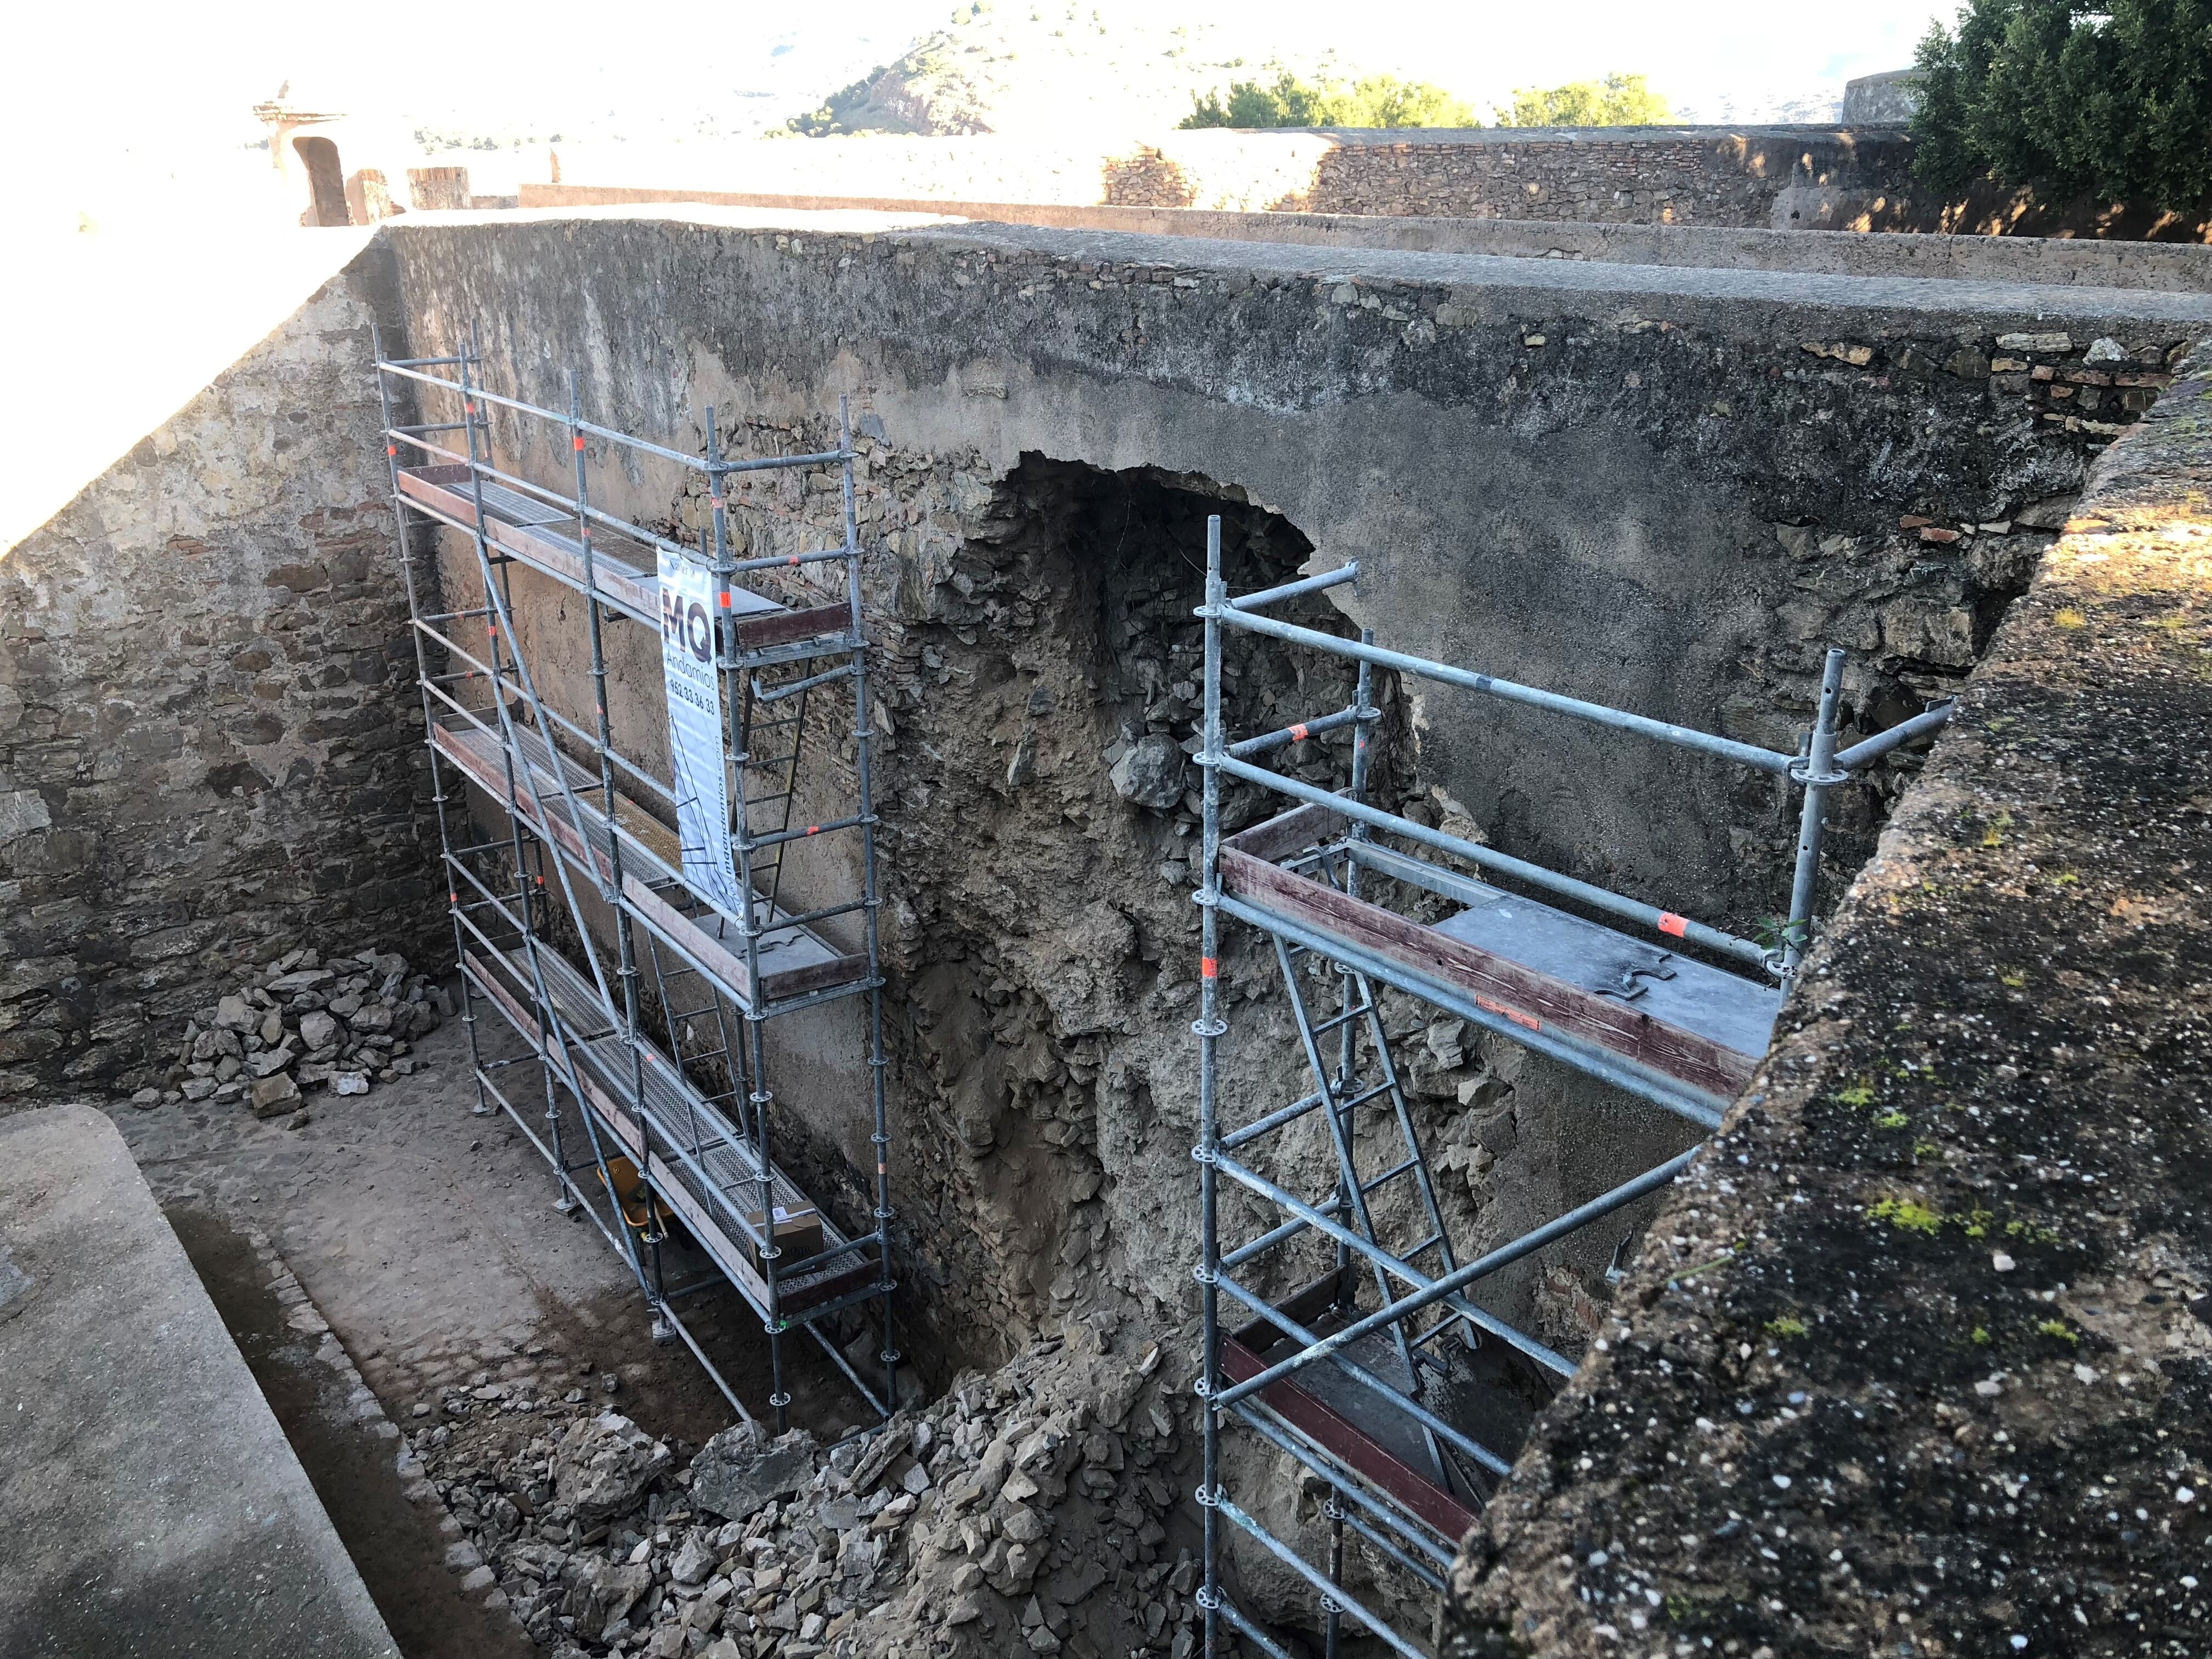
(1337, 1374)
(656, 1111)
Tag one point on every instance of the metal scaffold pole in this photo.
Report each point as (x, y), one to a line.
(1210, 1028)
(1350, 1378)
(439, 797)
(871, 899)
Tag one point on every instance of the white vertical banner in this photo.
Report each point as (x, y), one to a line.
(695, 732)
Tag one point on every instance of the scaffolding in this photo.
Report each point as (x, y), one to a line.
(653, 1105)
(1339, 1375)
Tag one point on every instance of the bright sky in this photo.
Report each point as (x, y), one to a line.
(142, 78)
(141, 115)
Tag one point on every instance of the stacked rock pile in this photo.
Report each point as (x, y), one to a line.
(1027, 1510)
(304, 1021)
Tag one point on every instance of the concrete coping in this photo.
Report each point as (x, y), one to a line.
(1594, 280)
(1527, 286)
(2086, 262)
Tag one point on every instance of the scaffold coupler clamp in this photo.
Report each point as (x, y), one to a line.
(1801, 772)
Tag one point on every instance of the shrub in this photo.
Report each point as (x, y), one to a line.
(1618, 100)
(2113, 98)
(1373, 100)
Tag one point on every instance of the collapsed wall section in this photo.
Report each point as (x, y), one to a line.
(209, 737)
(1666, 491)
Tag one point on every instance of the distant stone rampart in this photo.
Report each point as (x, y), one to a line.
(1806, 177)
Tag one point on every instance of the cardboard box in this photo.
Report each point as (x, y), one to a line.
(797, 1236)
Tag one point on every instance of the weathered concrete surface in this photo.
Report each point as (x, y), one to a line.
(1944, 1377)
(2063, 261)
(150, 1501)
(1730, 469)
(209, 747)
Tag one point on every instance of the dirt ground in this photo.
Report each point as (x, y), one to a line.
(428, 1237)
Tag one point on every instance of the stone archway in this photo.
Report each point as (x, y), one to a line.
(325, 180)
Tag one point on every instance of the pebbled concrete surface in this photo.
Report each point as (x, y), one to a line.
(151, 1502)
(1918, 1359)
(429, 1239)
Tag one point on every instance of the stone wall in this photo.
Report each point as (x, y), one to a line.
(1943, 1378)
(1681, 176)
(210, 740)
(1731, 470)
(1655, 175)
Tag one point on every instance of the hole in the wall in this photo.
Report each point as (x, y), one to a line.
(1040, 814)
(1057, 637)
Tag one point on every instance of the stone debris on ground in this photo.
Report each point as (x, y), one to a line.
(304, 1021)
(1027, 1510)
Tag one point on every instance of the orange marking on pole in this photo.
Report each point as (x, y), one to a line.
(715, 502)
(794, 559)
(1208, 968)
(580, 441)
(391, 449)
(1298, 731)
(813, 829)
(725, 601)
(1672, 924)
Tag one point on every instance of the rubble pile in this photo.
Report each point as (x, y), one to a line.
(301, 1022)
(1027, 1510)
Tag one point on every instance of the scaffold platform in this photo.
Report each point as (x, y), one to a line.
(630, 922)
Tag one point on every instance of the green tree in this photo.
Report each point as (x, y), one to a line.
(2113, 98)
(1618, 100)
(1373, 100)
(1384, 101)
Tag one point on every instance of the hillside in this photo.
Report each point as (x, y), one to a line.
(1056, 67)
(1050, 67)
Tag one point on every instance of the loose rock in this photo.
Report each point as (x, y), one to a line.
(604, 1464)
(274, 1096)
(1150, 773)
(735, 1474)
